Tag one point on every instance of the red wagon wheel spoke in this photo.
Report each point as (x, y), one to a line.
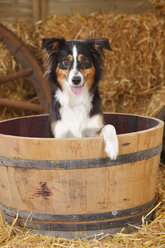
(30, 68)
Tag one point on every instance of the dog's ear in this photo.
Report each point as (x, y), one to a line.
(52, 45)
(99, 43)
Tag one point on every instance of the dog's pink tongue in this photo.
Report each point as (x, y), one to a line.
(76, 90)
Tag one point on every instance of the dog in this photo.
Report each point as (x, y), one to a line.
(74, 69)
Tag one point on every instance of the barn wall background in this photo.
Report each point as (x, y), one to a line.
(39, 9)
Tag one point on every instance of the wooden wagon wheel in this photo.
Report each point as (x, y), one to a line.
(31, 69)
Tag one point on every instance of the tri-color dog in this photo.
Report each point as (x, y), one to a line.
(74, 69)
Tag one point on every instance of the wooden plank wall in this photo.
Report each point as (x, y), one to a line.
(87, 6)
(11, 10)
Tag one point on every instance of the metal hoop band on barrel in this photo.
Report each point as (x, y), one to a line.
(78, 222)
(80, 163)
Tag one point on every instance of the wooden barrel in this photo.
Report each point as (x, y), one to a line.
(69, 185)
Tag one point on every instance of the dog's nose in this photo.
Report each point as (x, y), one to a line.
(76, 80)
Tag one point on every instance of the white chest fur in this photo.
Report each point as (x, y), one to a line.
(74, 113)
(76, 122)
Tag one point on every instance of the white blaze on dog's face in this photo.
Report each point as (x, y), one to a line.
(75, 78)
(75, 69)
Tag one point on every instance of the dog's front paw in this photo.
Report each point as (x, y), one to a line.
(111, 141)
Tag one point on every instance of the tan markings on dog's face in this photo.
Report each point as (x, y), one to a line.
(88, 75)
(63, 73)
(80, 56)
(70, 57)
(84, 62)
(62, 76)
(87, 70)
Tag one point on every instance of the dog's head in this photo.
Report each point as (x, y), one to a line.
(74, 64)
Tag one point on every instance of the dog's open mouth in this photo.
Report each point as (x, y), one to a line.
(76, 90)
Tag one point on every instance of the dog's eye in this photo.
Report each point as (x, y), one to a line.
(66, 63)
(84, 62)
